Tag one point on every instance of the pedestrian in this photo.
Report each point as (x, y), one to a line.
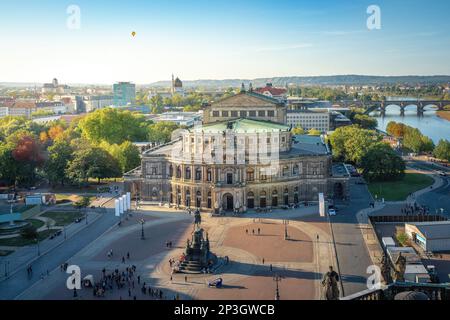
(129, 292)
(134, 298)
(128, 255)
(139, 279)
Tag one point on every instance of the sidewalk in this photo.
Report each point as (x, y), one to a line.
(28, 254)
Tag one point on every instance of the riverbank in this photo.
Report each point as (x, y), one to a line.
(444, 114)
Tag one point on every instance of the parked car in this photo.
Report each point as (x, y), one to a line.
(332, 212)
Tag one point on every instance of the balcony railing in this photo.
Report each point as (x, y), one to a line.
(433, 291)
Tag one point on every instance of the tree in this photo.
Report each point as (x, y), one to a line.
(414, 140)
(395, 129)
(314, 132)
(365, 121)
(83, 203)
(442, 150)
(161, 131)
(351, 143)
(9, 167)
(298, 131)
(30, 155)
(29, 233)
(93, 162)
(59, 156)
(55, 132)
(380, 162)
(113, 126)
(126, 154)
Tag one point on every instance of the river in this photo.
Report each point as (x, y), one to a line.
(429, 124)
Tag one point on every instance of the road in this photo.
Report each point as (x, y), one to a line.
(437, 198)
(351, 249)
(19, 282)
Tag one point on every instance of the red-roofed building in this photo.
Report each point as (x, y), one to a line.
(273, 92)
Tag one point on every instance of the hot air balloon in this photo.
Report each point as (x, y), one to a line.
(133, 33)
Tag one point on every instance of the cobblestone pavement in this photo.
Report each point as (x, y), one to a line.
(300, 261)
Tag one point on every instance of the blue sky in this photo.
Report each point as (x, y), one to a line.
(220, 39)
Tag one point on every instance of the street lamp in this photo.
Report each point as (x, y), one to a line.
(142, 222)
(277, 279)
(6, 268)
(38, 248)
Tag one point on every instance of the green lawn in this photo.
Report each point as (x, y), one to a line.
(399, 190)
(35, 223)
(63, 218)
(20, 241)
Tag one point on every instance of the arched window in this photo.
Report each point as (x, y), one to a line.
(209, 175)
(178, 172)
(250, 200)
(187, 174)
(198, 174)
(209, 204)
(295, 170)
(285, 171)
(188, 198)
(170, 171)
(198, 200)
(286, 197)
(274, 198)
(250, 175)
(262, 199)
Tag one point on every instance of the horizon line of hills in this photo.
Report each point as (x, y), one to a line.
(284, 81)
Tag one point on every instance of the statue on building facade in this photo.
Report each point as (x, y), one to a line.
(330, 283)
(400, 268)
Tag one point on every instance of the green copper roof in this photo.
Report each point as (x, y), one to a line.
(242, 126)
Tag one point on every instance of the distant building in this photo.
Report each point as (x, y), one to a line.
(221, 177)
(93, 103)
(273, 92)
(177, 86)
(339, 120)
(180, 118)
(249, 105)
(55, 87)
(55, 107)
(430, 236)
(308, 119)
(23, 108)
(124, 93)
(4, 111)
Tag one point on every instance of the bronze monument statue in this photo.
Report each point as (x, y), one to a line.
(197, 256)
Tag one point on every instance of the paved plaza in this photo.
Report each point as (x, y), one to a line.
(255, 246)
